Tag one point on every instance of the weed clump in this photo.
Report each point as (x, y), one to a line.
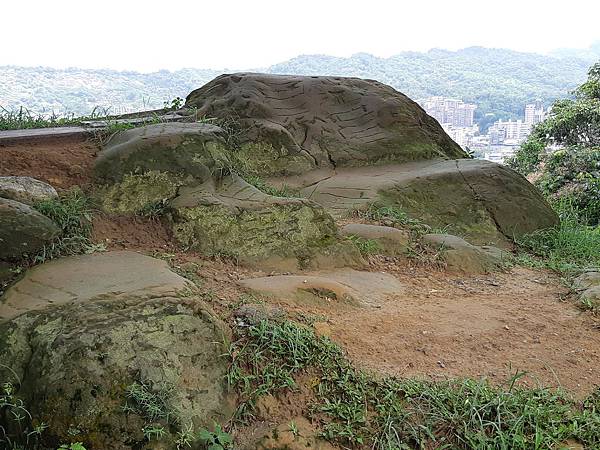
(72, 212)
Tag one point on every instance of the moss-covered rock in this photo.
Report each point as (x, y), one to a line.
(137, 192)
(296, 231)
(189, 171)
(23, 230)
(184, 149)
(79, 356)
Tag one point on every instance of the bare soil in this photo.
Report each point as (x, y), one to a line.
(61, 162)
(442, 325)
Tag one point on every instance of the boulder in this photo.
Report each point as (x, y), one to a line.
(187, 170)
(26, 190)
(391, 241)
(23, 230)
(586, 280)
(179, 149)
(479, 200)
(591, 297)
(292, 124)
(461, 256)
(105, 341)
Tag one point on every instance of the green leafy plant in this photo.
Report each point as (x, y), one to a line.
(215, 440)
(365, 246)
(151, 404)
(18, 429)
(75, 446)
(153, 432)
(568, 248)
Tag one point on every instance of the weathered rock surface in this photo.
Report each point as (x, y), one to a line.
(480, 200)
(464, 257)
(26, 190)
(322, 288)
(23, 230)
(586, 280)
(188, 169)
(391, 241)
(296, 123)
(75, 359)
(591, 296)
(91, 277)
(180, 149)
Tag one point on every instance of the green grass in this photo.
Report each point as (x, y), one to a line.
(356, 409)
(568, 248)
(72, 212)
(365, 246)
(22, 118)
(262, 185)
(393, 216)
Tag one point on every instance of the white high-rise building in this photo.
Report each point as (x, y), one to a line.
(534, 112)
(450, 111)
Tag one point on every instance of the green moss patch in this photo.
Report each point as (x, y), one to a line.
(137, 193)
(289, 231)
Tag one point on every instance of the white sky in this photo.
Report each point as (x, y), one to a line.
(147, 35)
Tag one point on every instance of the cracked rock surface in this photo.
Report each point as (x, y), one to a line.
(310, 122)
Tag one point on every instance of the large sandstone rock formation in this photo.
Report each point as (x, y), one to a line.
(479, 200)
(189, 169)
(92, 326)
(293, 124)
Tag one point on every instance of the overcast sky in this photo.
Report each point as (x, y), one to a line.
(148, 35)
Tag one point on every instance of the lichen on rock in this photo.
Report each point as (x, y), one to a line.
(136, 192)
(298, 231)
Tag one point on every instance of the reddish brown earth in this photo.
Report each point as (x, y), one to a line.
(443, 325)
(62, 162)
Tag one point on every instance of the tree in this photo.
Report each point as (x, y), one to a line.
(572, 172)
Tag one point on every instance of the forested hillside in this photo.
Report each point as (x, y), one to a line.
(499, 81)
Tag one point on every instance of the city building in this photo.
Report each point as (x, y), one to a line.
(450, 111)
(534, 112)
(509, 131)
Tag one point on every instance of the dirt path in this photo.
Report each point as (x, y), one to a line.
(445, 326)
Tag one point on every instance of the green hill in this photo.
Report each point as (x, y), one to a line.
(499, 81)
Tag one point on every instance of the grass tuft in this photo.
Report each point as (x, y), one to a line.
(568, 248)
(72, 212)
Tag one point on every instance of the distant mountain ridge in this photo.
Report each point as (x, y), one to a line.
(499, 81)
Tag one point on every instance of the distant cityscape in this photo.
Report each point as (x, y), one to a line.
(502, 138)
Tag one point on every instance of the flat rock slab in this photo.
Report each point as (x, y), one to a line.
(341, 286)
(90, 277)
(462, 256)
(478, 199)
(391, 240)
(34, 134)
